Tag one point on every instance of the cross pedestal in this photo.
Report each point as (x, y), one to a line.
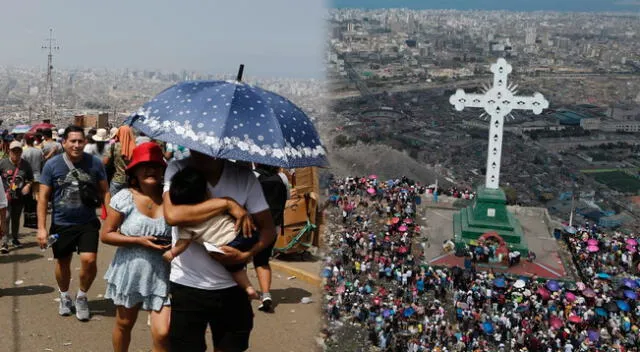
(489, 211)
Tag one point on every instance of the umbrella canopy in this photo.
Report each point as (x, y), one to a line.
(630, 283)
(631, 242)
(593, 249)
(232, 120)
(487, 327)
(519, 284)
(371, 191)
(42, 125)
(612, 307)
(603, 276)
(553, 285)
(588, 292)
(20, 129)
(630, 294)
(395, 220)
(592, 242)
(624, 306)
(543, 292)
(373, 177)
(571, 286)
(601, 312)
(499, 282)
(581, 286)
(570, 296)
(555, 322)
(593, 335)
(631, 249)
(575, 319)
(407, 221)
(402, 228)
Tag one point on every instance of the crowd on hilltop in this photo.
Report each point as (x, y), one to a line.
(376, 279)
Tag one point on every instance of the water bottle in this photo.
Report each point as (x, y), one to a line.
(50, 241)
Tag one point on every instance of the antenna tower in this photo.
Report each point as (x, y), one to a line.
(51, 45)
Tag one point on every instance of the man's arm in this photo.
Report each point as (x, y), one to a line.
(186, 215)
(43, 200)
(104, 191)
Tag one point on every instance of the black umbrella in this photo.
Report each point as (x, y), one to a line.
(612, 307)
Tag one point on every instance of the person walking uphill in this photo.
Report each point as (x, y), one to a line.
(138, 278)
(17, 177)
(203, 292)
(76, 183)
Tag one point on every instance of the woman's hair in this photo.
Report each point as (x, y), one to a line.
(100, 146)
(188, 186)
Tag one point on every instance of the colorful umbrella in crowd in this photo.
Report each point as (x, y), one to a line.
(592, 242)
(630, 294)
(593, 249)
(631, 242)
(630, 283)
(499, 282)
(373, 177)
(593, 335)
(371, 191)
(232, 120)
(555, 322)
(402, 228)
(601, 312)
(21, 129)
(553, 285)
(589, 293)
(603, 276)
(624, 306)
(544, 294)
(574, 319)
(519, 284)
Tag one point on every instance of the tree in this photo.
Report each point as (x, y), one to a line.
(511, 194)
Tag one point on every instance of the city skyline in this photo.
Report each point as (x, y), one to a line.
(492, 5)
(197, 36)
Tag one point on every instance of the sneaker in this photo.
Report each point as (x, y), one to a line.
(66, 306)
(4, 249)
(266, 305)
(16, 244)
(82, 308)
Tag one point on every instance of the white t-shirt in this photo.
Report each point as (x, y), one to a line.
(194, 267)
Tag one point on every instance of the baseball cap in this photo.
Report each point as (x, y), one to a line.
(15, 144)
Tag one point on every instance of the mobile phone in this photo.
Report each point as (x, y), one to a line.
(162, 241)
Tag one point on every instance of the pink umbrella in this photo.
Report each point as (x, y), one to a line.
(575, 319)
(544, 293)
(631, 249)
(402, 228)
(581, 286)
(588, 293)
(593, 249)
(371, 191)
(631, 242)
(395, 220)
(408, 221)
(592, 242)
(373, 177)
(555, 322)
(570, 296)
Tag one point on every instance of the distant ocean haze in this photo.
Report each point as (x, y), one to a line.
(513, 5)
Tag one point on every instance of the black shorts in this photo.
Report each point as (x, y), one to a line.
(228, 312)
(79, 238)
(262, 258)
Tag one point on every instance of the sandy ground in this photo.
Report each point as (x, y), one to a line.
(30, 321)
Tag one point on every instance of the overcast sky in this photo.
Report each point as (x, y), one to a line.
(273, 38)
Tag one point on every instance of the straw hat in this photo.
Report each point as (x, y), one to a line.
(101, 135)
(112, 132)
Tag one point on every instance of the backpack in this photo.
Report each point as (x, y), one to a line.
(275, 193)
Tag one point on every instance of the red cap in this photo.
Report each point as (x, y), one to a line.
(148, 152)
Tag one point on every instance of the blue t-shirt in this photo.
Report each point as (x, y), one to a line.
(68, 208)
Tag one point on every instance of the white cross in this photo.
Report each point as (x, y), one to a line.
(498, 103)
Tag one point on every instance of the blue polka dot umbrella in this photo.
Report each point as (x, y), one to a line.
(232, 120)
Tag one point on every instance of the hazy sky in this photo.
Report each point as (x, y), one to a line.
(513, 5)
(273, 38)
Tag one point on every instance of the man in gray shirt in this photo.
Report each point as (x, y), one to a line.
(50, 147)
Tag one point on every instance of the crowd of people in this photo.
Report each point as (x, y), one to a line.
(376, 279)
(70, 174)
